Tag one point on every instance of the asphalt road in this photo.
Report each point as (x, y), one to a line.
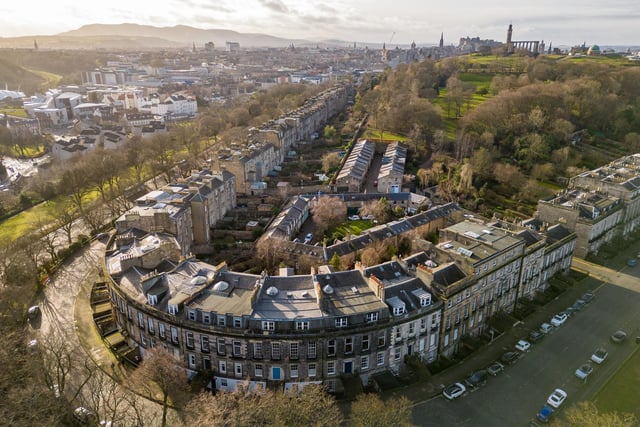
(514, 397)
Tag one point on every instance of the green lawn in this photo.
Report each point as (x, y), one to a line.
(23, 223)
(374, 134)
(51, 80)
(621, 392)
(353, 227)
(17, 112)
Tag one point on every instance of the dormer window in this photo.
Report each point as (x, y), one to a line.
(173, 309)
(397, 311)
(341, 322)
(371, 317)
(192, 315)
(152, 299)
(425, 301)
(268, 325)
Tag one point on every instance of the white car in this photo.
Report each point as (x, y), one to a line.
(557, 397)
(523, 345)
(558, 319)
(354, 217)
(600, 355)
(453, 391)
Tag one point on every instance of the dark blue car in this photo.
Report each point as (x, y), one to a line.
(544, 414)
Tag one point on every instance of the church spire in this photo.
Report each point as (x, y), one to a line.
(441, 40)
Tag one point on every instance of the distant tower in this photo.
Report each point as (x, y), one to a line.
(35, 45)
(413, 45)
(509, 42)
(550, 50)
(354, 45)
(384, 52)
(194, 47)
(441, 40)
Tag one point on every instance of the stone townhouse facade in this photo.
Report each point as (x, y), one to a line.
(282, 135)
(261, 331)
(249, 165)
(477, 271)
(354, 169)
(595, 217)
(598, 205)
(187, 209)
(391, 172)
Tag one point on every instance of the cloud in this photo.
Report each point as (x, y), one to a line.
(275, 6)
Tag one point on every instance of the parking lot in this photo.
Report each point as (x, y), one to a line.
(514, 396)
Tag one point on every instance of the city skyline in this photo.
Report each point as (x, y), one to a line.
(399, 22)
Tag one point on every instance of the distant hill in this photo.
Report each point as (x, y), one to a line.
(135, 37)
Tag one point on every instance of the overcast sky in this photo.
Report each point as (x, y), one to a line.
(561, 22)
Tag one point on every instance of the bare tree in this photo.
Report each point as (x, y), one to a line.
(313, 406)
(380, 209)
(586, 414)
(62, 214)
(47, 236)
(330, 161)
(328, 210)
(369, 410)
(161, 378)
(63, 369)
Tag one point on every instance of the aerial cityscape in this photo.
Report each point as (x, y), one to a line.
(267, 213)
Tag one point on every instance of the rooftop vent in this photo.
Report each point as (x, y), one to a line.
(221, 286)
(272, 291)
(198, 280)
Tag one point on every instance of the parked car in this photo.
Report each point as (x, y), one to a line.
(544, 414)
(477, 379)
(33, 312)
(510, 357)
(369, 217)
(545, 328)
(454, 391)
(618, 336)
(559, 319)
(354, 217)
(587, 298)
(523, 345)
(495, 368)
(584, 371)
(578, 305)
(557, 397)
(600, 355)
(535, 336)
(308, 238)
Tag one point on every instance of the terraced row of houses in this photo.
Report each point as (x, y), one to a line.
(599, 205)
(267, 146)
(289, 330)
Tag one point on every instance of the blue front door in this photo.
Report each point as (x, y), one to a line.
(275, 373)
(348, 367)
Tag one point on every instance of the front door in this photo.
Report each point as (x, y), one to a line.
(275, 373)
(348, 367)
